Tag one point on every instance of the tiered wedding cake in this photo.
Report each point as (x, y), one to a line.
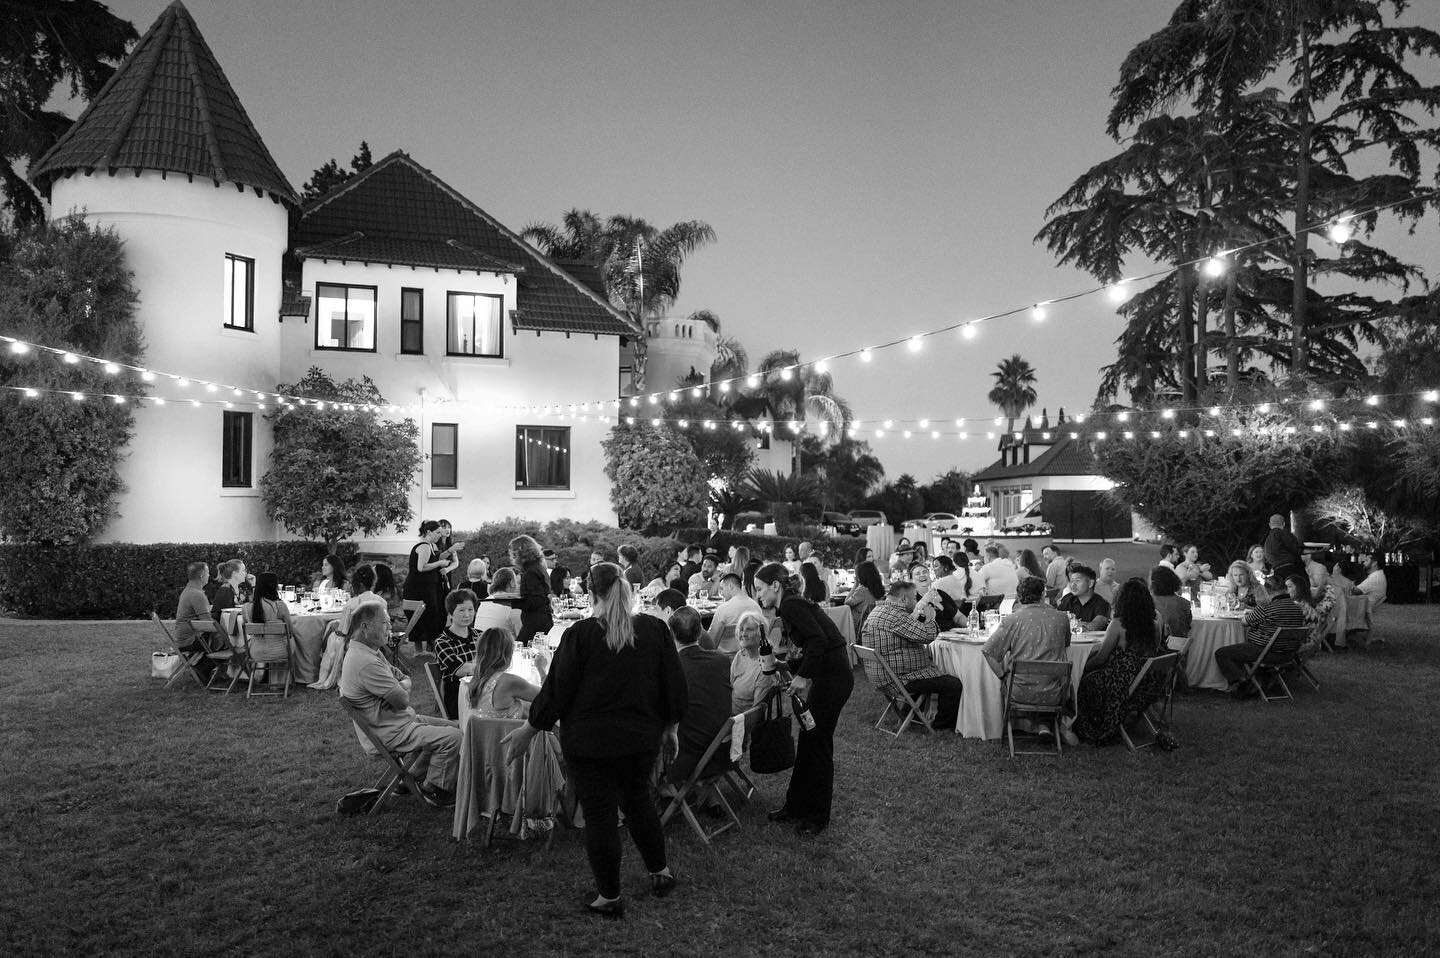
(975, 518)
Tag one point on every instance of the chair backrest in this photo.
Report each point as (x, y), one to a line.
(891, 686)
(416, 608)
(432, 676)
(169, 637)
(267, 641)
(1286, 641)
(1007, 605)
(988, 603)
(725, 638)
(1043, 684)
(1162, 666)
(367, 734)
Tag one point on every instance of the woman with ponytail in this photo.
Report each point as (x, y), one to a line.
(617, 689)
(824, 680)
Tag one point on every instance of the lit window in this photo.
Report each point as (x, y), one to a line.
(239, 292)
(473, 325)
(235, 455)
(444, 461)
(345, 317)
(412, 321)
(542, 457)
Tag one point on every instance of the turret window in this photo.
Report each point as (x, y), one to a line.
(239, 292)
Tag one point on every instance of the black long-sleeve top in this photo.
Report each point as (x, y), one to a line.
(534, 589)
(815, 636)
(612, 703)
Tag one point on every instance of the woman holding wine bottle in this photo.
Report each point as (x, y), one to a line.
(823, 681)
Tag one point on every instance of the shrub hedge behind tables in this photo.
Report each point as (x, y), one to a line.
(127, 581)
(573, 541)
(837, 552)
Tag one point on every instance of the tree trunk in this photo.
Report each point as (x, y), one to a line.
(1305, 119)
(1232, 344)
(1202, 320)
(1187, 333)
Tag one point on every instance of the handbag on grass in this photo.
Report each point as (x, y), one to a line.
(772, 744)
(164, 664)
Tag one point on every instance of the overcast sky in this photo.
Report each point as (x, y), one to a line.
(872, 169)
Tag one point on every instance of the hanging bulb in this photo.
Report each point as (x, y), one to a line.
(907, 434)
(1340, 231)
(111, 369)
(684, 424)
(725, 386)
(924, 424)
(696, 392)
(31, 394)
(158, 401)
(1167, 414)
(959, 423)
(71, 358)
(785, 374)
(916, 343)
(968, 330)
(1037, 312)
(1118, 292)
(1080, 417)
(654, 399)
(934, 434)
(78, 397)
(1264, 407)
(674, 396)
(1372, 400)
(1214, 410)
(822, 366)
(1122, 417)
(865, 355)
(1316, 405)
(19, 348)
(753, 381)
(889, 423)
(1215, 266)
(1432, 396)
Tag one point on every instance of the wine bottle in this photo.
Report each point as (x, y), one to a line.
(802, 711)
(767, 656)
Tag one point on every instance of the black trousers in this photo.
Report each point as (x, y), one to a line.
(812, 783)
(602, 785)
(1232, 659)
(947, 689)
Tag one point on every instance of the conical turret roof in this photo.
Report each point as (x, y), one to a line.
(168, 107)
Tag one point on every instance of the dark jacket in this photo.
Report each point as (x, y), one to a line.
(707, 682)
(612, 703)
(534, 604)
(558, 575)
(1282, 548)
(815, 637)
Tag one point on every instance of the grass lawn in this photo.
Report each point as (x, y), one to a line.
(138, 821)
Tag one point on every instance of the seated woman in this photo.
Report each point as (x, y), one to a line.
(1241, 585)
(1103, 703)
(268, 606)
(791, 563)
(868, 590)
(945, 617)
(814, 589)
(332, 574)
(455, 646)
(385, 588)
(1027, 564)
(953, 579)
(363, 582)
(494, 692)
(922, 552)
(1191, 570)
(1316, 608)
(1174, 610)
(499, 611)
(748, 683)
(668, 579)
(1255, 561)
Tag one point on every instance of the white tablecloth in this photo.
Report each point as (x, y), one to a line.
(520, 664)
(309, 635)
(1207, 635)
(845, 622)
(982, 705)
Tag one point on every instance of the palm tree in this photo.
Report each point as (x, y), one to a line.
(640, 263)
(1014, 390)
(789, 392)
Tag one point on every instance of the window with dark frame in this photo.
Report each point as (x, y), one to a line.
(239, 292)
(412, 321)
(237, 444)
(345, 317)
(542, 457)
(444, 458)
(472, 325)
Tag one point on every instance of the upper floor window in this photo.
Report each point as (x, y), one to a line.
(542, 457)
(412, 321)
(345, 317)
(473, 324)
(444, 455)
(236, 445)
(239, 292)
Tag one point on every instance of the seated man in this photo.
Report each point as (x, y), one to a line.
(1169, 555)
(735, 604)
(559, 574)
(1082, 600)
(707, 676)
(1057, 572)
(667, 602)
(1105, 585)
(997, 576)
(1261, 621)
(691, 562)
(900, 629)
(373, 687)
(1033, 632)
(706, 582)
(193, 623)
(1374, 584)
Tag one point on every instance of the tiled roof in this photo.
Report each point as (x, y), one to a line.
(168, 107)
(1067, 457)
(292, 302)
(400, 203)
(404, 251)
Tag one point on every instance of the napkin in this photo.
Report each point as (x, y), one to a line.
(737, 737)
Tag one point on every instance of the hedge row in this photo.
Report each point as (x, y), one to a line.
(127, 581)
(837, 552)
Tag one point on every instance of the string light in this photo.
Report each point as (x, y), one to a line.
(1037, 312)
(865, 355)
(1340, 231)
(822, 366)
(785, 373)
(916, 343)
(1119, 292)
(968, 330)
(1215, 266)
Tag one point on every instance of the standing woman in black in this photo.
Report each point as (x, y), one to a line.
(422, 581)
(534, 604)
(618, 691)
(824, 680)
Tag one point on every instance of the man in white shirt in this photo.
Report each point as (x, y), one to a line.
(1317, 574)
(1106, 586)
(372, 686)
(1056, 574)
(1374, 585)
(997, 576)
(736, 603)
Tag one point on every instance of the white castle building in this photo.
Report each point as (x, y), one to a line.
(394, 275)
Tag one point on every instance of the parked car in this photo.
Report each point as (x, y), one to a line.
(868, 517)
(843, 523)
(942, 521)
(1026, 520)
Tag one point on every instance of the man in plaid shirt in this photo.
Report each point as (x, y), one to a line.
(900, 630)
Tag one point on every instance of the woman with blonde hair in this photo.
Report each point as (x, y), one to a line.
(617, 689)
(534, 604)
(495, 692)
(748, 684)
(1240, 583)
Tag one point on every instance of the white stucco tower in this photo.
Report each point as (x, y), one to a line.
(166, 155)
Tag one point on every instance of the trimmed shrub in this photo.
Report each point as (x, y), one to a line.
(128, 581)
(837, 552)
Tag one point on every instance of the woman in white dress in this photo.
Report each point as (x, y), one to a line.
(494, 692)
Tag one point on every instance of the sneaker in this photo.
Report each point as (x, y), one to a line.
(661, 885)
(437, 797)
(609, 909)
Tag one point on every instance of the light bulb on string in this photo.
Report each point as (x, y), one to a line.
(1432, 396)
(19, 348)
(1214, 410)
(934, 434)
(968, 330)
(111, 369)
(1037, 312)
(889, 423)
(752, 381)
(1080, 417)
(1118, 292)
(907, 434)
(879, 434)
(1129, 435)
(865, 355)
(822, 366)
(916, 343)
(725, 386)
(160, 402)
(852, 433)
(1215, 266)
(674, 396)
(634, 401)
(629, 420)
(696, 392)
(1427, 421)
(1210, 433)
(1372, 400)
(1101, 434)
(31, 394)
(1316, 405)
(654, 399)
(1340, 231)
(1344, 427)
(924, 424)
(989, 435)
(1167, 414)
(210, 387)
(785, 373)
(237, 392)
(1264, 407)
(959, 423)
(684, 424)
(78, 397)
(1122, 417)
(195, 403)
(71, 358)
(1317, 428)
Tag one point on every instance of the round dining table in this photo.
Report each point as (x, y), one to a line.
(522, 663)
(982, 704)
(307, 630)
(1206, 635)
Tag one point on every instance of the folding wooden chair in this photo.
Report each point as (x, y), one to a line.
(1281, 652)
(267, 646)
(702, 781)
(1157, 714)
(437, 685)
(397, 772)
(206, 630)
(725, 637)
(188, 660)
(1045, 702)
(753, 717)
(907, 708)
